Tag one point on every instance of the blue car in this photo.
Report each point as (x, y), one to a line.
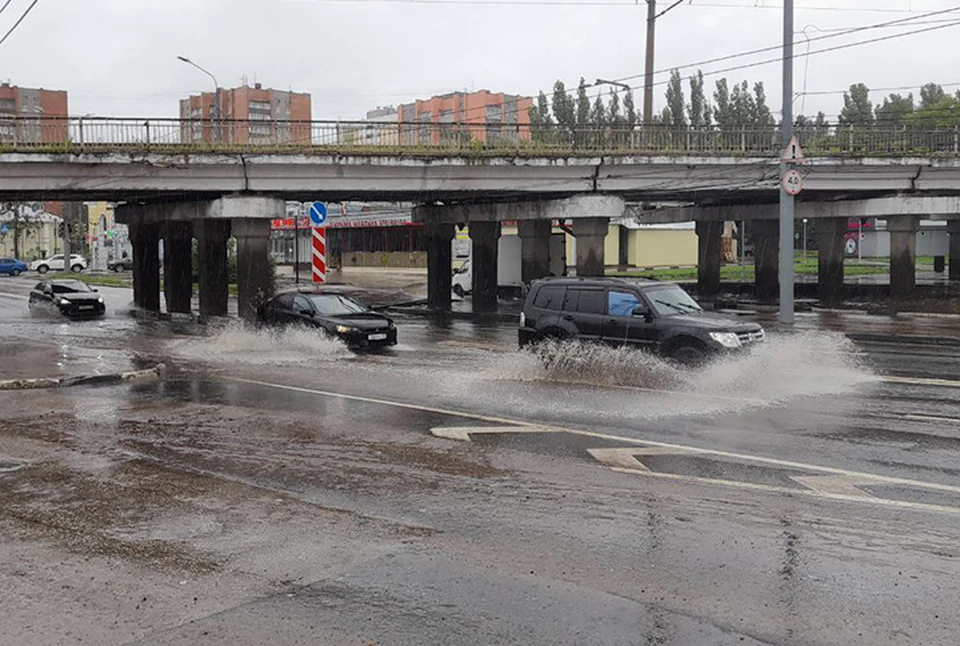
(12, 266)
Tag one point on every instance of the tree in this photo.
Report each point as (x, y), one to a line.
(894, 108)
(540, 119)
(723, 110)
(698, 110)
(762, 115)
(931, 94)
(674, 114)
(583, 104)
(598, 116)
(630, 108)
(857, 109)
(614, 111)
(942, 114)
(563, 108)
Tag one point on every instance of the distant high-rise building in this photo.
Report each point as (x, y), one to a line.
(483, 115)
(32, 115)
(248, 115)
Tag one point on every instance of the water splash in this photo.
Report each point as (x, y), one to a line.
(239, 343)
(783, 367)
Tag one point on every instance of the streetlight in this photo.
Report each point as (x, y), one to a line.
(617, 83)
(216, 96)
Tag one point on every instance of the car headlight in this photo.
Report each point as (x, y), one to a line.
(726, 339)
(100, 300)
(63, 301)
(344, 329)
(391, 326)
(523, 319)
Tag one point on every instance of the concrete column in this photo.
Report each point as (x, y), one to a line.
(483, 260)
(253, 265)
(766, 252)
(149, 266)
(212, 236)
(178, 266)
(534, 249)
(708, 257)
(134, 230)
(439, 265)
(590, 234)
(903, 255)
(830, 236)
(953, 262)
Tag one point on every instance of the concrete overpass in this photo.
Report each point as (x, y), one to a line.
(179, 186)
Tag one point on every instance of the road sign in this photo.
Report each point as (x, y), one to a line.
(319, 253)
(793, 153)
(4, 230)
(792, 182)
(318, 213)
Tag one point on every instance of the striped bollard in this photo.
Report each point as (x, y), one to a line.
(319, 254)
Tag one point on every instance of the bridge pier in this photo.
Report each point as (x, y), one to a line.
(253, 264)
(534, 249)
(830, 236)
(953, 266)
(485, 238)
(178, 266)
(590, 233)
(212, 237)
(145, 240)
(766, 250)
(439, 265)
(903, 255)
(709, 234)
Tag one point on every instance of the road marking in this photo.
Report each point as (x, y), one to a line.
(627, 458)
(843, 485)
(678, 448)
(463, 433)
(932, 418)
(920, 381)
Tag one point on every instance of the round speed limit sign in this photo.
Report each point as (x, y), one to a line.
(792, 182)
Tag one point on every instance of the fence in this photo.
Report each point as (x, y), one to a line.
(81, 134)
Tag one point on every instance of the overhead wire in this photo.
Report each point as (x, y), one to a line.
(20, 20)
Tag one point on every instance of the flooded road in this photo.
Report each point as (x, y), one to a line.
(276, 488)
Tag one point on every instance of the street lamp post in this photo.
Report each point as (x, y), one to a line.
(216, 97)
(804, 238)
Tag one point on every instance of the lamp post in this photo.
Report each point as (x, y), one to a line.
(216, 96)
(804, 238)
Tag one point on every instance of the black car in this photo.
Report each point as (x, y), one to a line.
(73, 298)
(123, 264)
(653, 315)
(333, 311)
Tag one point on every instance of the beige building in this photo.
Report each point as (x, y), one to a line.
(647, 246)
(35, 230)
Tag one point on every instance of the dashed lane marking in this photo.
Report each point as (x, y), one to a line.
(835, 489)
(922, 381)
(932, 418)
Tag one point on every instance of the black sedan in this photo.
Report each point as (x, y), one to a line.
(123, 264)
(72, 298)
(332, 311)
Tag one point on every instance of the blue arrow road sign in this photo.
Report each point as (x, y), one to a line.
(318, 213)
(4, 230)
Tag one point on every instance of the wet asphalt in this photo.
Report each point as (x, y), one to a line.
(276, 488)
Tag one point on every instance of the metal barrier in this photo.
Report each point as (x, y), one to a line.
(81, 134)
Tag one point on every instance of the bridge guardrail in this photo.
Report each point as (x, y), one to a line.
(80, 134)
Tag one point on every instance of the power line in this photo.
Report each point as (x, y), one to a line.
(5, 5)
(915, 86)
(17, 24)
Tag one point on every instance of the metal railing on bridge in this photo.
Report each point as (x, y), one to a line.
(104, 134)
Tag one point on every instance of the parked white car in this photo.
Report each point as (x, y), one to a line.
(77, 264)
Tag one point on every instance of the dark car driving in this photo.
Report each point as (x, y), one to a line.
(333, 311)
(120, 264)
(72, 298)
(651, 315)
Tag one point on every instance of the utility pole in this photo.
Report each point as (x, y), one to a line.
(786, 200)
(648, 70)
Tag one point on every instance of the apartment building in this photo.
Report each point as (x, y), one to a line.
(248, 115)
(32, 115)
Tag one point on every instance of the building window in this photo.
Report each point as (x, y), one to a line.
(8, 105)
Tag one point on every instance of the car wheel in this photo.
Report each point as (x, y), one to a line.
(76, 269)
(43, 269)
(690, 356)
(15, 272)
(458, 290)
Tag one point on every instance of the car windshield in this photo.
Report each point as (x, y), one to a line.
(70, 287)
(671, 300)
(336, 304)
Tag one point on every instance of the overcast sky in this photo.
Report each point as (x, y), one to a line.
(118, 57)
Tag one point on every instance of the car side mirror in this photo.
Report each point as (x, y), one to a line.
(643, 313)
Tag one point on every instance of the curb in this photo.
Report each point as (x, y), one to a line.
(82, 380)
(904, 339)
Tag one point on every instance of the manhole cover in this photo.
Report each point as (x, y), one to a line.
(7, 466)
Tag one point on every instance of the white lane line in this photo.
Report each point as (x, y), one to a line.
(843, 485)
(920, 381)
(462, 433)
(801, 466)
(627, 458)
(888, 502)
(932, 418)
